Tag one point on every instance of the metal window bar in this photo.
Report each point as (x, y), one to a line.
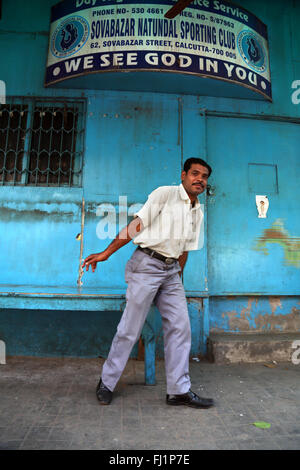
(27, 139)
(13, 170)
(48, 141)
(12, 131)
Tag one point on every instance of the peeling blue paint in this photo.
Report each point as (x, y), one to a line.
(255, 314)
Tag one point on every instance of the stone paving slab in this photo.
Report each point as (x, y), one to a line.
(50, 403)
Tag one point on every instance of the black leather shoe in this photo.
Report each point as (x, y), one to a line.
(189, 399)
(104, 395)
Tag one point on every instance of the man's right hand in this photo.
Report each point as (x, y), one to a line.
(93, 260)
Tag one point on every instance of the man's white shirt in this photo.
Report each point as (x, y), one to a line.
(171, 224)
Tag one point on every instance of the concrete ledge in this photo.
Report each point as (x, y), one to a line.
(225, 348)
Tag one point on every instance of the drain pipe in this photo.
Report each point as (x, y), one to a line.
(80, 237)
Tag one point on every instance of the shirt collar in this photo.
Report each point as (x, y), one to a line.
(184, 195)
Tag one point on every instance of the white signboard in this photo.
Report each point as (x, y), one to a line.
(209, 38)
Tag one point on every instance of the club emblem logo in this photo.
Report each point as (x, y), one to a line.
(70, 36)
(252, 50)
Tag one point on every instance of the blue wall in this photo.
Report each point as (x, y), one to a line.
(134, 142)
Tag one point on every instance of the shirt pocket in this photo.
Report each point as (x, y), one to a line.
(172, 222)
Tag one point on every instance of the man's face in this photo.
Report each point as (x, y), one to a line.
(195, 180)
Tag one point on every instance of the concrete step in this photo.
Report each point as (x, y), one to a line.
(266, 347)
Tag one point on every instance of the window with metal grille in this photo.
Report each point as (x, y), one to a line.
(42, 142)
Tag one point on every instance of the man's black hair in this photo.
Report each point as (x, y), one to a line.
(188, 163)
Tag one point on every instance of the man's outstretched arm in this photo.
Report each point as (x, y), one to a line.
(124, 237)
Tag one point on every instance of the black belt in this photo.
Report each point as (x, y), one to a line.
(156, 255)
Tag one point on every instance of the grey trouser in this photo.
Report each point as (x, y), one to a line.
(151, 280)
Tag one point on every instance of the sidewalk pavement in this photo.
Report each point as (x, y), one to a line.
(50, 403)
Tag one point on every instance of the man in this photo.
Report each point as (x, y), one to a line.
(165, 229)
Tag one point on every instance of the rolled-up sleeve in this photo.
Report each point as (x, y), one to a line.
(153, 206)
